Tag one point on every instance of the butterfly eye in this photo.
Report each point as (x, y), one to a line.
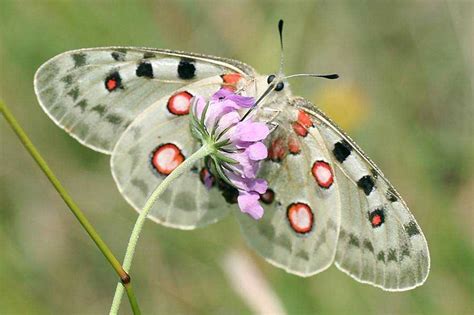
(279, 86)
(270, 78)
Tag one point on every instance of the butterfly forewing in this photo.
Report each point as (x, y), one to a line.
(299, 229)
(94, 94)
(379, 241)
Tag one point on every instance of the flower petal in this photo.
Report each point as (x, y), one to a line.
(257, 151)
(228, 120)
(248, 203)
(198, 104)
(241, 101)
(250, 131)
(258, 185)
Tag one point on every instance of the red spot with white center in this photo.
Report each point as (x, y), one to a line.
(277, 150)
(111, 84)
(230, 80)
(166, 158)
(294, 145)
(300, 217)
(322, 173)
(179, 103)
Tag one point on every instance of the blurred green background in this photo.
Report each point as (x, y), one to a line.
(405, 95)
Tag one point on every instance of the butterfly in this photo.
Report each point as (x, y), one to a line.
(327, 202)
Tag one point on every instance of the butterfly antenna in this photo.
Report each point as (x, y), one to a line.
(280, 31)
(313, 75)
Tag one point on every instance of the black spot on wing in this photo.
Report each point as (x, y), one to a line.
(267, 230)
(268, 196)
(148, 55)
(144, 69)
(141, 185)
(82, 104)
(366, 183)
(100, 109)
(284, 241)
(303, 255)
(68, 80)
(118, 55)
(411, 228)
(342, 150)
(74, 93)
(113, 81)
(381, 256)
(186, 69)
(377, 217)
(229, 193)
(391, 195)
(79, 59)
(354, 240)
(368, 245)
(114, 119)
(392, 255)
(405, 251)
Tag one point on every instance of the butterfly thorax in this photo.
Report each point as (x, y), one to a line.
(272, 106)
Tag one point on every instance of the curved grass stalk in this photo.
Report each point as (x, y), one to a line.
(132, 243)
(124, 277)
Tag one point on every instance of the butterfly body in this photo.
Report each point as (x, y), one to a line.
(327, 202)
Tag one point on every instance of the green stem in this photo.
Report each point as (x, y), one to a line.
(132, 243)
(125, 278)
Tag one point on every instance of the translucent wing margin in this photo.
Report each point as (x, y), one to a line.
(380, 242)
(94, 94)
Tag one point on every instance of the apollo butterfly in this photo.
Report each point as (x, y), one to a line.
(326, 201)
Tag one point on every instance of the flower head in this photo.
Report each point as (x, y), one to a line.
(238, 145)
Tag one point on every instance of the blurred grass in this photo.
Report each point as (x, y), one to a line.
(409, 66)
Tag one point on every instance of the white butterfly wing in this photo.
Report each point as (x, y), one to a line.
(152, 146)
(94, 94)
(380, 242)
(299, 229)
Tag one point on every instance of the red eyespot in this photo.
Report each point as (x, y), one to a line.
(304, 119)
(300, 217)
(322, 173)
(277, 149)
(230, 80)
(376, 220)
(179, 103)
(377, 217)
(300, 129)
(111, 84)
(293, 145)
(166, 158)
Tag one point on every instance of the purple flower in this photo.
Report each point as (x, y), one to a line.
(239, 146)
(241, 101)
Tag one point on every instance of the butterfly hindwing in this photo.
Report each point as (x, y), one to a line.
(299, 229)
(379, 242)
(94, 94)
(152, 146)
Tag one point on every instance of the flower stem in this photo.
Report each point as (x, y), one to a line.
(132, 243)
(125, 278)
